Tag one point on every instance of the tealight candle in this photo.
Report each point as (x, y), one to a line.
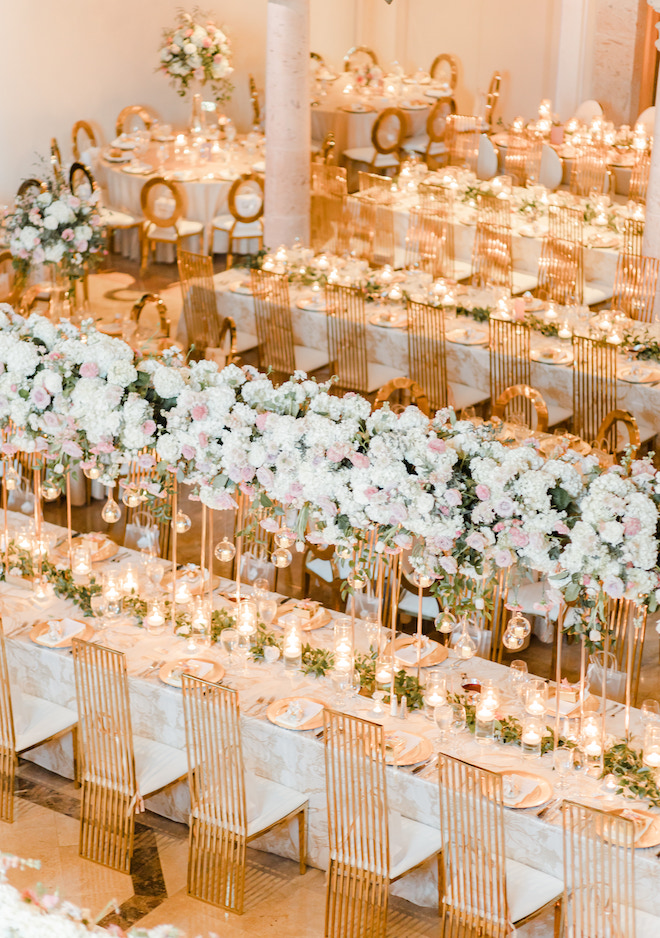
(182, 593)
(292, 645)
(322, 263)
(81, 561)
(564, 331)
(130, 581)
(614, 338)
(386, 274)
(154, 621)
(551, 313)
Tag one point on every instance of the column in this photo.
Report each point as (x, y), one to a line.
(287, 123)
(573, 54)
(652, 223)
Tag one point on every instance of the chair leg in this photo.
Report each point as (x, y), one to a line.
(8, 762)
(559, 918)
(302, 840)
(76, 757)
(144, 253)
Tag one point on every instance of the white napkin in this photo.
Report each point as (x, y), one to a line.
(191, 666)
(299, 711)
(69, 628)
(398, 744)
(515, 788)
(409, 654)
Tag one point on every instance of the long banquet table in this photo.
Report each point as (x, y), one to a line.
(295, 759)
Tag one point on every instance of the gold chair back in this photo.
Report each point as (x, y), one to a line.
(425, 242)
(85, 128)
(358, 875)
(632, 236)
(462, 141)
(635, 284)
(439, 201)
(272, 307)
(639, 178)
(607, 436)
(492, 259)
(590, 171)
(133, 110)
(522, 160)
(448, 65)
(355, 53)
(436, 128)
(200, 310)
(149, 196)
(427, 352)
(594, 385)
(408, 393)
(245, 212)
(161, 309)
(28, 184)
(7, 738)
(473, 897)
(528, 394)
(492, 98)
(561, 265)
(81, 180)
(55, 157)
(347, 336)
(329, 191)
(388, 134)
(218, 811)
(109, 788)
(328, 145)
(367, 229)
(254, 100)
(599, 873)
(509, 345)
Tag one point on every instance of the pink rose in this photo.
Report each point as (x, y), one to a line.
(483, 492)
(561, 528)
(449, 565)
(437, 446)
(187, 451)
(632, 526)
(519, 538)
(199, 412)
(476, 541)
(203, 440)
(41, 397)
(453, 497)
(503, 558)
(149, 427)
(89, 370)
(71, 448)
(265, 476)
(359, 460)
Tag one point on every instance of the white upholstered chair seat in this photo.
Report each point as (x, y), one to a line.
(250, 229)
(309, 359)
(112, 218)
(462, 269)
(527, 890)
(557, 414)
(36, 719)
(378, 375)
(523, 281)
(409, 605)
(465, 396)
(157, 765)
(597, 293)
(551, 170)
(411, 843)
(420, 142)
(268, 802)
(367, 154)
(185, 228)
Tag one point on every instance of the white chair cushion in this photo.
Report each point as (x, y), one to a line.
(378, 375)
(597, 293)
(465, 396)
(462, 269)
(185, 228)
(251, 229)
(419, 144)
(309, 359)
(157, 765)
(248, 203)
(522, 281)
(410, 844)
(40, 719)
(487, 158)
(268, 802)
(528, 890)
(245, 341)
(114, 219)
(551, 170)
(367, 154)
(646, 924)
(320, 568)
(409, 603)
(557, 414)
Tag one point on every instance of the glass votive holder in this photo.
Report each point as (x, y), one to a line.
(343, 637)
(81, 562)
(531, 738)
(292, 645)
(130, 580)
(434, 693)
(246, 618)
(155, 619)
(591, 744)
(651, 746)
(113, 594)
(484, 724)
(534, 697)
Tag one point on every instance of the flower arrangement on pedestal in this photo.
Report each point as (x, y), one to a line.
(57, 228)
(197, 50)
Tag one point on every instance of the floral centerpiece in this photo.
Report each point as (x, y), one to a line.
(57, 228)
(197, 50)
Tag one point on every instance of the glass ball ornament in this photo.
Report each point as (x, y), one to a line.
(421, 580)
(285, 539)
(131, 499)
(465, 646)
(12, 479)
(445, 622)
(92, 472)
(512, 639)
(281, 557)
(181, 522)
(520, 624)
(224, 551)
(50, 491)
(343, 553)
(357, 581)
(111, 511)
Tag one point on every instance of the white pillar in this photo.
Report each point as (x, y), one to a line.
(652, 221)
(287, 123)
(573, 55)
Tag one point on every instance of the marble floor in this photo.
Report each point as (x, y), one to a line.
(278, 900)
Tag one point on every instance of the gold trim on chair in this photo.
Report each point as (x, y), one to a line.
(427, 353)
(462, 134)
(509, 347)
(530, 394)
(354, 50)
(594, 385)
(204, 327)
(254, 101)
(55, 157)
(347, 336)
(77, 170)
(28, 184)
(239, 218)
(161, 309)
(639, 178)
(561, 264)
(133, 110)
(414, 394)
(452, 61)
(492, 97)
(606, 435)
(86, 129)
(272, 307)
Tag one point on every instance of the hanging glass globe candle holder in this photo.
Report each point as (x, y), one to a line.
(111, 511)
(92, 472)
(343, 553)
(225, 551)
(445, 622)
(520, 624)
(50, 491)
(281, 557)
(131, 498)
(421, 579)
(285, 538)
(465, 646)
(181, 522)
(512, 639)
(12, 479)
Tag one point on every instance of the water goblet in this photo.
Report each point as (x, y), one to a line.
(562, 761)
(97, 603)
(517, 676)
(458, 719)
(443, 716)
(267, 609)
(229, 640)
(650, 711)
(54, 634)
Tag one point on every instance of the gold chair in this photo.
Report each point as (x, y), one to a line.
(86, 129)
(256, 106)
(164, 207)
(277, 349)
(632, 236)
(561, 264)
(432, 143)
(407, 393)
(359, 55)
(445, 65)
(328, 194)
(425, 242)
(510, 366)
(369, 847)
(635, 284)
(245, 219)
(387, 136)
(152, 340)
(492, 97)
(347, 342)
(427, 360)
(439, 200)
(482, 891)
(56, 159)
(327, 147)
(492, 252)
(367, 229)
(25, 722)
(607, 436)
(81, 181)
(462, 134)
(133, 111)
(594, 385)
(639, 178)
(118, 768)
(228, 807)
(522, 160)
(205, 329)
(599, 876)
(529, 394)
(29, 184)
(590, 171)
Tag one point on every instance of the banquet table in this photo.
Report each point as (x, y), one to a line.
(293, 758)
(466, 364)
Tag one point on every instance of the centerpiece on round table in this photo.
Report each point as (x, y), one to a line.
(196, 53)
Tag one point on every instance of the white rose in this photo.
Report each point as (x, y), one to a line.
(44, 198)
(50, 222)
(29, 237)
(190, 48)
(198, 36)
(165, 55)
(54, 253)
(82, 233)
(61, 211)
(121, 372)
(52, 381)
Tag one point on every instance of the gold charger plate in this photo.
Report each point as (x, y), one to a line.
(436, 656)
(103, 547)
(649, 837)
(534, 798)
(552, 356)
(279, 706)
(41, 628)
(417, 753)
(214, 674)
(467, 337)
(318, 621)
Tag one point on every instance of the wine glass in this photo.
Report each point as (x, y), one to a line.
(97, 603)
(443, 716)
(229, 640)
(458, 719)
(562, 761)
(650, 711)
(267, 609)
(54, 634)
